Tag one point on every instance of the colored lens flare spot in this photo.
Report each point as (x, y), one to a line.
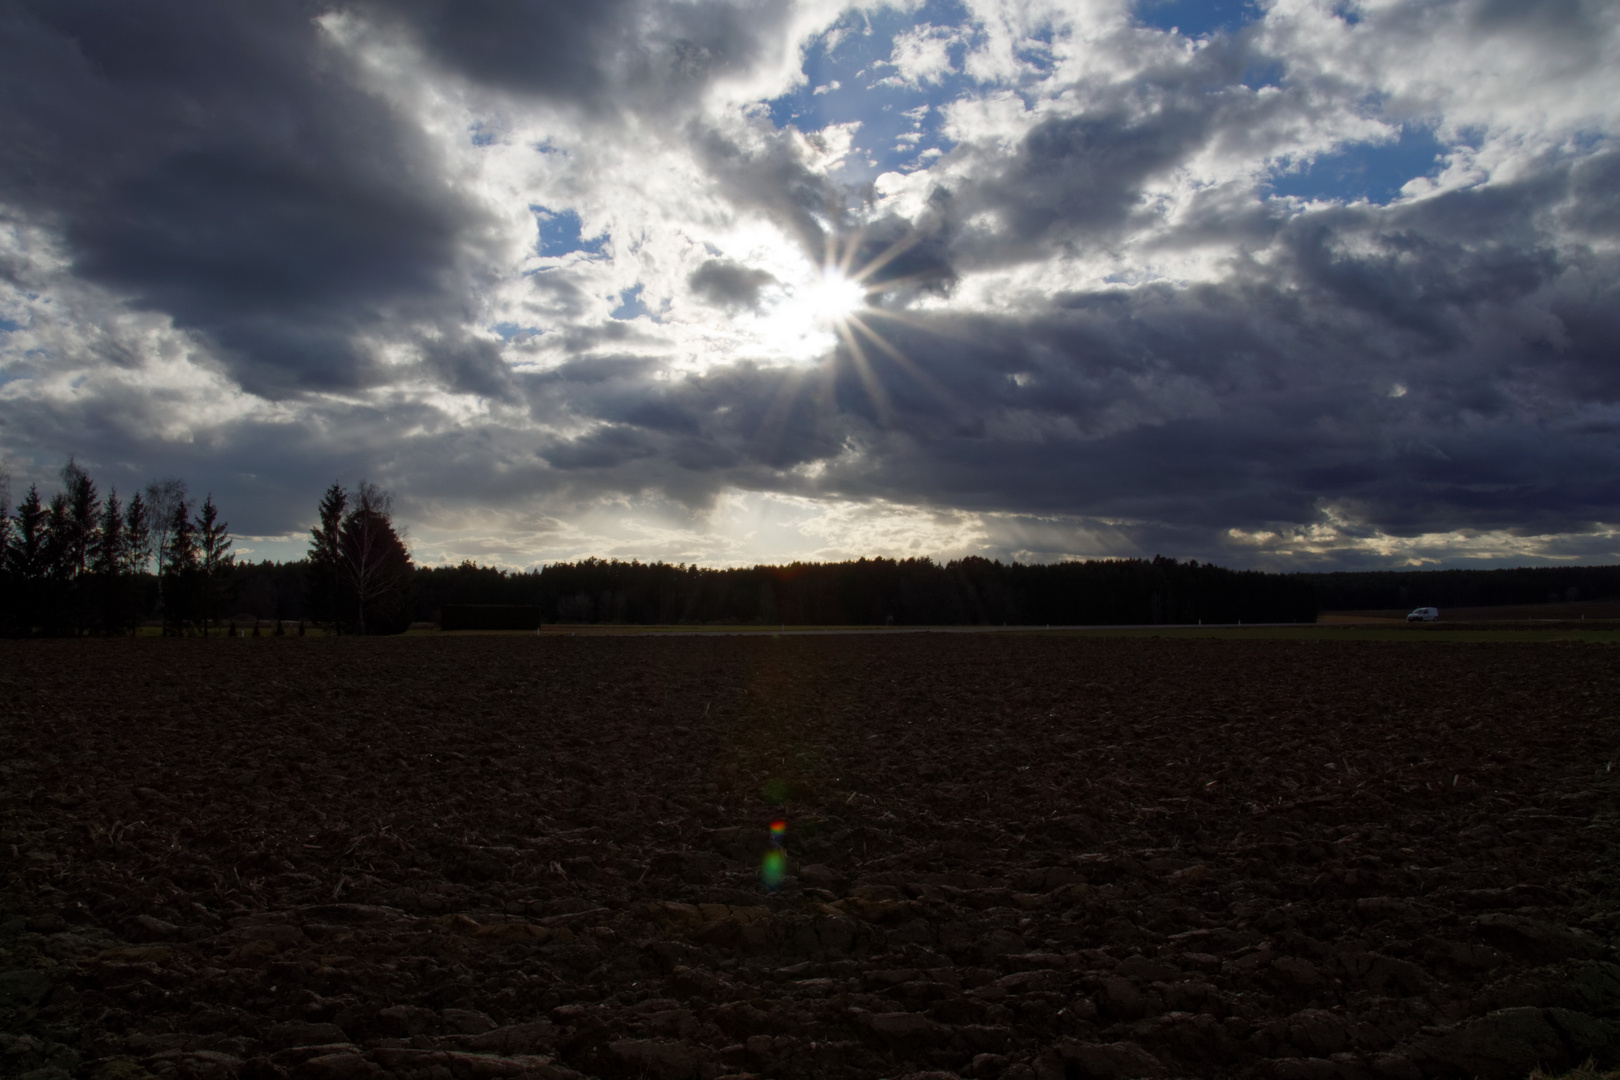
(774, 869)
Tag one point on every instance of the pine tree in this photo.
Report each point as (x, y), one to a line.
(58, 538)
(107, 579)
(5, 520)
(10, 588)
(28, 555)
(180, 570)
(326, 555)
(137, 535)
(213, 557)
(109, 557)
(84, 511)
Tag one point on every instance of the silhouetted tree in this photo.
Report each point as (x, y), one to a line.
(28, 554)
(376, 567)
(214, 559)
(83, 518)
(29, 561)
(161, 499)
(9, 591)
(107, 566)
(326, 556)
(108, 554)
(5, 518)
(137, 535)
(180, 571)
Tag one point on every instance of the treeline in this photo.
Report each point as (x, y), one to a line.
(976, 590)
(1375, 589)
(82, 562)
(85, 563)
(915, 592)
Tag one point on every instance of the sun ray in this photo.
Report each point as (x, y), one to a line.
(910, 367)
(868, 377)
(774, 424)
(887, 256)
(851, 248)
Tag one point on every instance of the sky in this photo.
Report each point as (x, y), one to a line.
(1285, 284)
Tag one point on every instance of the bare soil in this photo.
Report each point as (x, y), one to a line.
(1019, 858)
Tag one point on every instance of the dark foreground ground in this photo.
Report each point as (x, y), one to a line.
(451, 859)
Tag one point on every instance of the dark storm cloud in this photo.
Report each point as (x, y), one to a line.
(1082, 175)
(1362, 365)
(771, 175)
(602, 55)
(470, 366)
(729, 284)
(1250, 404)
(734, 423)
(894, 254)
(214, 163)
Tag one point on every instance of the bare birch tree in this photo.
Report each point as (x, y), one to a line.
(374, 563)
(162, 496)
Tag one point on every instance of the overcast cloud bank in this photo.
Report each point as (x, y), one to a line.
(1318, 284)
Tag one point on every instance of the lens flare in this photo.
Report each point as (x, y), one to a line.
(774, 869)
(774, 866)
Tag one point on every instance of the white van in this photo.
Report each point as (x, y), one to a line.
(1424, 614)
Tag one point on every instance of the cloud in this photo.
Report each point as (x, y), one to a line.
(603, 56)
(219, 168)
(268, 247)
(729, 284)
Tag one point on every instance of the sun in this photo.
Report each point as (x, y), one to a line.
(833, 299)
(807, 317)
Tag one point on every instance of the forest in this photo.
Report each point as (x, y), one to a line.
(81, 562)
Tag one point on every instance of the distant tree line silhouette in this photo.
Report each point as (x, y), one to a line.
(82, 563)
(1387, 589)
(920, 592)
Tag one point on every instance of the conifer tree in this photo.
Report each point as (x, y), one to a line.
(28, 555)
(180, 570)
(326, 555)
(5, 520)
(58, 538)
(137, 535)
(83, 514)
(110, 554)
(10, 589)
(107, 566)
(213, 557)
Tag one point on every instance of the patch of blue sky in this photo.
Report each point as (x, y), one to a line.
(850, 77)
(631, 305)
(7, 326)
(559, 233)
(1372, 171)
(510, 331)
(1197, 18)
(1263, 73)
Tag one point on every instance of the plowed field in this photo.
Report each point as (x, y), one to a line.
(1007, 857)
